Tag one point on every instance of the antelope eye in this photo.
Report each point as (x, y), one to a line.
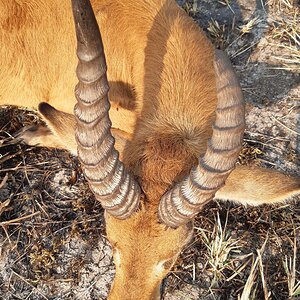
(164, 266)
(168, 263)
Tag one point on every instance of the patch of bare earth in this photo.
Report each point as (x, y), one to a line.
(52, 236)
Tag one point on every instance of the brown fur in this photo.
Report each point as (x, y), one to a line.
(160, 68)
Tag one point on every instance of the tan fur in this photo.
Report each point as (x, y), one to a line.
(147, 251)
(160, 68)
(38, 60)
(255, 186)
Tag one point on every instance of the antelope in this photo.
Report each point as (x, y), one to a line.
(177, 116)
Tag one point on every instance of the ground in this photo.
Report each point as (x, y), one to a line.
(52, 238)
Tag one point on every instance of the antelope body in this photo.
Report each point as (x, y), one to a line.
(165, 84)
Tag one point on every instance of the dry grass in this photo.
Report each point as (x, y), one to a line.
(239, 254)
(220, 247)
(218, 34)
(249, 153)
(191, 8)
(283, 5)
(285, 34)
(227, 4)
(249, 26)
(41, 213)
(250, 288)
(290, 267)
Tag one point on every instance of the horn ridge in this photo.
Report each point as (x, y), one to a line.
(181, 203)
(82, 111)
(86, 92)
(108, 167)
(115, 188)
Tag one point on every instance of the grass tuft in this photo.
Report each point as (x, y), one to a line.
(249, 26)
(218, 34)
(290, 267)
(220, 246)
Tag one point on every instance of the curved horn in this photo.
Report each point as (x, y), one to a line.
(180, 204)
(117, 191)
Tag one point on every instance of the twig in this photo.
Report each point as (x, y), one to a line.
(8, 157)
(16, 221)
(26, 281)
(251, 279)
(268, 136)
(268, 162)
(264, 144)
(19, 167)
(283, 125)
(29, 295)
(263, 6)
(7, 235)
(4, 180)
(25, 172)
(41, 207)
(240, 269)
(261, 268)
(244, 50)
(4, 205)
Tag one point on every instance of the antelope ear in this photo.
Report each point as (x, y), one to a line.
(62, 131)
(61, 124)
(255, 186)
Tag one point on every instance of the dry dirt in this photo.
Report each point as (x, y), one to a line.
(52, 237)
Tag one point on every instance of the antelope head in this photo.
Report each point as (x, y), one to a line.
(146, 235)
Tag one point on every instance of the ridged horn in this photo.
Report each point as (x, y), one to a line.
(181, 203)
(117, 191)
